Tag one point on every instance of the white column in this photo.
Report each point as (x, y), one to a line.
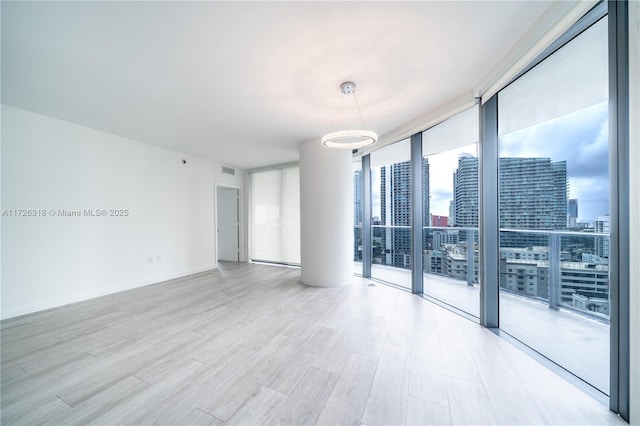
(326, 215)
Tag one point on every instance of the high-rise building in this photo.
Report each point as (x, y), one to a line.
(602, 226)
(572, 212)
(357, 215)
(357, 198)
(559, 191)
(465, 192)
(532, 192)
(452, 212)
(395, 211)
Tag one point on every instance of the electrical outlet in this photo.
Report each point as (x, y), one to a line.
(150, 260)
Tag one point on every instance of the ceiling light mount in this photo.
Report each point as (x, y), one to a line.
(348, 87)
(349, 139)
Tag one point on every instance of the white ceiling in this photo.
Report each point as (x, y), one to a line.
(244, 83)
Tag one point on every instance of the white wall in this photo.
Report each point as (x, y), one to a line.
(634, 202)
(52, 164)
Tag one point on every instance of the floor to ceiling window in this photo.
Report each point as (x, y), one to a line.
(450, 202)
(554, 207)
(391, 214)
(357, 217)
(517, 230)
(275, 216)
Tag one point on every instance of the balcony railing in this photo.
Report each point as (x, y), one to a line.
(391, 245)
(565, 269)
(560, 268)
(449, 247)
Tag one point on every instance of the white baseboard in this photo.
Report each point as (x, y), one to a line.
(80, 297)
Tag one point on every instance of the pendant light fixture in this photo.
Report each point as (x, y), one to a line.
(349, 139)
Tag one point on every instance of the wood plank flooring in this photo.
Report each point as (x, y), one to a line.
(248, 344)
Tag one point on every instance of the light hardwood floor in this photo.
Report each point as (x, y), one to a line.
(248, 344)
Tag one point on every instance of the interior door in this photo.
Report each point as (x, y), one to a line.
(228, 224)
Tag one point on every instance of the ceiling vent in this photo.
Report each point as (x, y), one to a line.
(228, 170)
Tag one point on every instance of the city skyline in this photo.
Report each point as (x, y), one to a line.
(586, 154)
(442, 167)
(580, 138)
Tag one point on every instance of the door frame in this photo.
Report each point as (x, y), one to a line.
(240, 216)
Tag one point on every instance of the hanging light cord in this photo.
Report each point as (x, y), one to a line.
(350, 138)
(338, 109)
(359, 112)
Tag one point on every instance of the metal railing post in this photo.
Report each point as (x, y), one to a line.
(554, 271)
(367, 254)
(471, 269)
